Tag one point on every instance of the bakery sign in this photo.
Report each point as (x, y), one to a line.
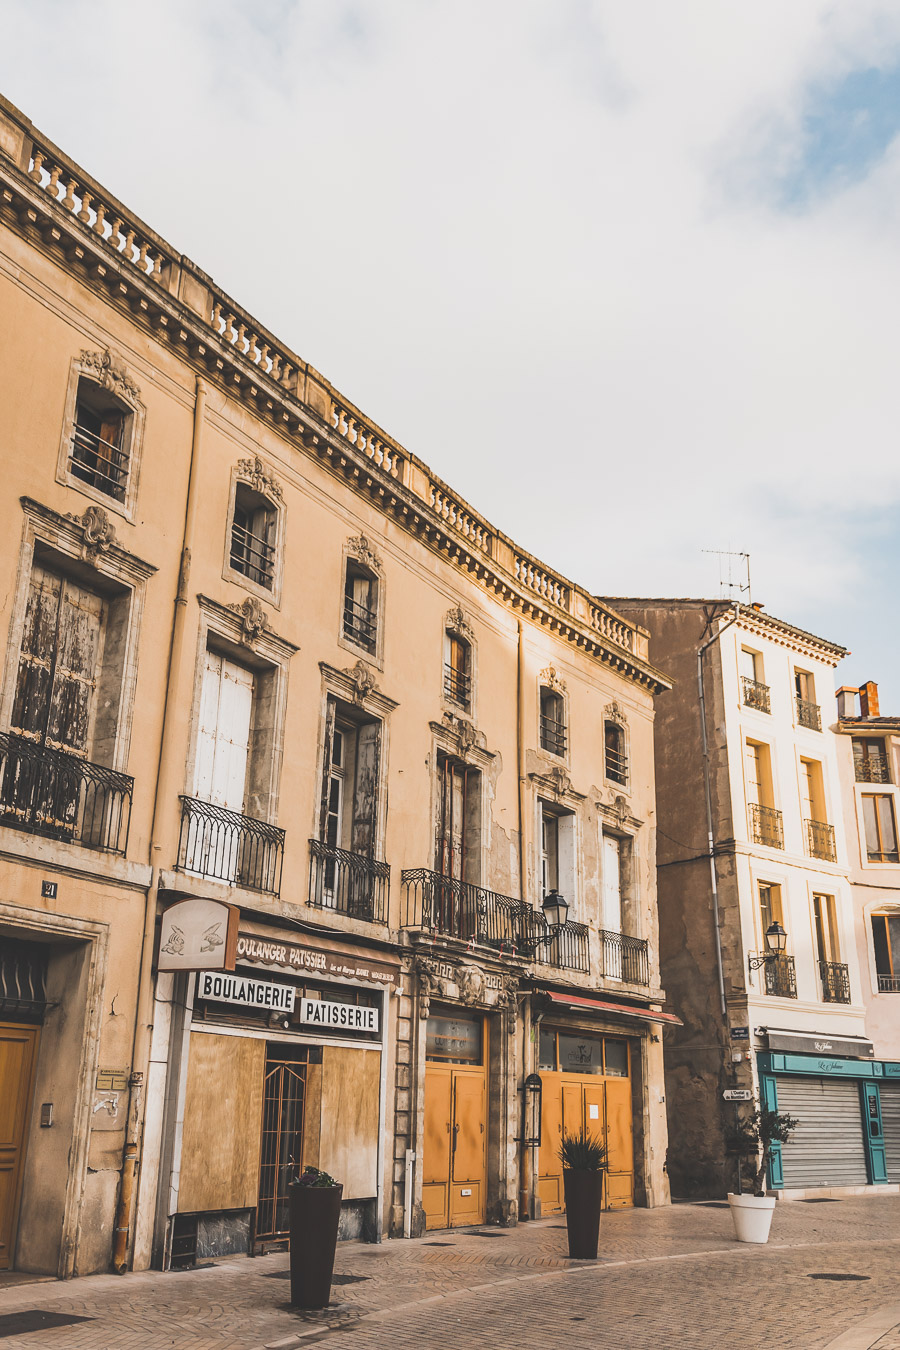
(320, 1012)
(297, 957)
(246, 993)
(198, 934)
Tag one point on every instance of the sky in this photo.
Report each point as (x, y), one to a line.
(624, 273)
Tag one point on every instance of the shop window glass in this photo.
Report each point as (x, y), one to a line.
(548, 1050)
(616, 1059)
(580, 1053)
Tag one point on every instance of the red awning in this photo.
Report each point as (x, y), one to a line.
(578, 1004)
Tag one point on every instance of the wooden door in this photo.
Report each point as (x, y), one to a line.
(549, 1182)
(619, 1143)
(436, 1153)
(18, 1057)
(467, 1148)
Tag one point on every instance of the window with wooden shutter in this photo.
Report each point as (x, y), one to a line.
(99, 453)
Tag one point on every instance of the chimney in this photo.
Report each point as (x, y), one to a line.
(846, 700)
(868, 699)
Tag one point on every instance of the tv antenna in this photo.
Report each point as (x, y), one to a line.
(734, 574)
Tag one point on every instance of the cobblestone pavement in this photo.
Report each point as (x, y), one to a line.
(667, 1279)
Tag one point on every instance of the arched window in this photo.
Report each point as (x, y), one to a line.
(457, 670)
(615, 753)
(253, 533)
(553, 721)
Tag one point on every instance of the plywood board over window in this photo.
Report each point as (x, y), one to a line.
(349, 1121)
(222, 1114)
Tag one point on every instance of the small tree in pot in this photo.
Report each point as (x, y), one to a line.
(753, 1139)
(315, 1207)
(584, 1162)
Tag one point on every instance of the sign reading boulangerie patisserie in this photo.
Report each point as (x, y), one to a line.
(247, 993)
(294, 956)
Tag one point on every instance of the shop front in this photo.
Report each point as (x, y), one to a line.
(848, 1118)
(285, 1068)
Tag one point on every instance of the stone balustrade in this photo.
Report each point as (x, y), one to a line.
(610, 626)
(536, 578)
(237, 331)
(350, 426)
(460, 518)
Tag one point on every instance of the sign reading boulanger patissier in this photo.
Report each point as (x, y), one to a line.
(198, 934)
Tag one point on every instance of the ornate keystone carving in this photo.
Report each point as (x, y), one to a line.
(431, 985)
(620, 806)
(614, 712)
(363, 681)
(457, 623)
(550, 680)
(360, 548)
(260, 477)
(254, 619)
(109, 373)
(470, 981)
(467, 736)
(562, 783)
(98, 530)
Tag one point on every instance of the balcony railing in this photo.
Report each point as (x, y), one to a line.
(553, 735)
(808, 714)
(460, 910)
(348, 883)
(820, 840)
(52, 793)
(755, 695)
(566, 947)
(835, 982)
(871, 768)
(252, 556)
(889, 984)
(360, 624)
(781, 978)
(624, 958)
(226, 846)
(98, 462)
(457, 685)
(765, 826)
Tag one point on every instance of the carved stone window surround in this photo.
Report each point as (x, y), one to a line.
(106, 371)
(457, 623)
(84, 548)
(257, 474)
(551, 680)
(360, 549)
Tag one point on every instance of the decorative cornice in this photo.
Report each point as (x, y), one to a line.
(93, 535)
(460, 737)
(550, 680)
(556, 782)
(260, 477)
(97, 529)
(254, 619)
(458, 624)
(361, 548)
(357, 685)
(110, 374)
(618, 814)
(614, 712)
(247, 623)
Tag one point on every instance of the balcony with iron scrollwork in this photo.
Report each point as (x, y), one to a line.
(348, 883)
(809, 715)
(226, 846)
(871, 768)
(765, 826)
(820, 840)
(889, 984)
(835, 978)
(755, 695)
(624, 958)
(60, 796)
(781, 977)
(472, 914)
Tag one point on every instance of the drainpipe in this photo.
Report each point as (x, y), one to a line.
(710, 840)
(526, 1171)
(141, 1043)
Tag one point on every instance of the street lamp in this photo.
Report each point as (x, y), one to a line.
(556, 909)
(776, 941)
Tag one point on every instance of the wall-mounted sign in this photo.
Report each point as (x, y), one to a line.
(738, 1095)
(247, 993)
(740, 1033)
(319, 1012)
(294, 956)
(198, 934)
(821, 1045)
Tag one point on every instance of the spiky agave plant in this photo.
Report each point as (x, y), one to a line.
(582, 1152)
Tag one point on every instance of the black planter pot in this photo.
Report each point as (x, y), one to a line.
(315, 1213)
(584, 1200)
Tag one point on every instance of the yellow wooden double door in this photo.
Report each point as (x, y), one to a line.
(18, 1057)
(603, 1105)
(453, 1178)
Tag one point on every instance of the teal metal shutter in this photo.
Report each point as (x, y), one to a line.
(890, 1120)
(827, 1148)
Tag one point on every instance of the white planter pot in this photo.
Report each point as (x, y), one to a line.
(752, 1215)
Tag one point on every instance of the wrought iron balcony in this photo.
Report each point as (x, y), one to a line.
(781, 978)
(755, 695)
(566, 948)
(625, 958)
(252, 555)
(871, 768)
(348, 883)
(835, 982)
(889, 984)
(457, 686)
(820, 840)
(808, 714)
(58, 795)
(226, 846)
(460, 910)
(100, 463)
(360, 624)
(765, 826)
(553, 735)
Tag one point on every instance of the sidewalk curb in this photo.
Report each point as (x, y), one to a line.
(868, 1332)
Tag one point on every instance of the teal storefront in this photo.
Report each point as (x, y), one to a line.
(849, 1120)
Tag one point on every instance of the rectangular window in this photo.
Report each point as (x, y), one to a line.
(360, 607)
(549, 853)
(458, 825)
(886, 940)
(770, 910)
(345, 874)
(457, 670)
(557, 852)
(880, 827)
(754, 693)
(615, 755)
(824, 917)
(99, 450)
(553, 722)
(253, 531)
(612, 884)
(870, 760)
(808, 712)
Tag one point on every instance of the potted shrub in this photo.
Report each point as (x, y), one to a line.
(584, 1162)
(753, 1139)
(315, 1211)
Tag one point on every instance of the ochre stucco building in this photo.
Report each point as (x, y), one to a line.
(258, 655)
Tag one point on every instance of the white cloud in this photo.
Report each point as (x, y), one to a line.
(532, 240)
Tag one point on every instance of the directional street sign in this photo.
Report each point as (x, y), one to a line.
(738, 1095)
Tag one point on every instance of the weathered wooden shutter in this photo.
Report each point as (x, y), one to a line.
(612, 885)
(31, 705)
(223, 744)
(365, 795)
(451, 821)
(326, 769)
